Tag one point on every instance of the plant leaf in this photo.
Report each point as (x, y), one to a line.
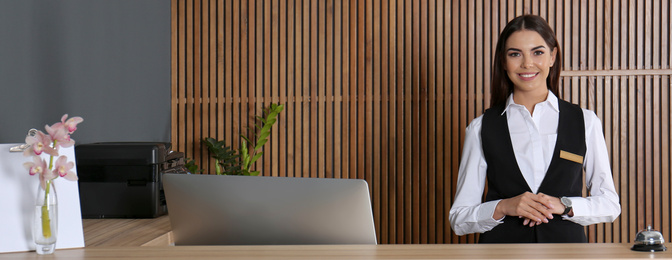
(264, 135)
(260, 144)
(243, 143)
(256, 157)
(218, 169)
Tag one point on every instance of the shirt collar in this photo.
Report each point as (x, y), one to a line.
(551, 99)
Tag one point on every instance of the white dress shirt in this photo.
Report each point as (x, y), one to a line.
(533, 138)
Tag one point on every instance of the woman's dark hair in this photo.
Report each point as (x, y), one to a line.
(501, 85)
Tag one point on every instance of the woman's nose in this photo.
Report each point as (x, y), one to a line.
(527, 62)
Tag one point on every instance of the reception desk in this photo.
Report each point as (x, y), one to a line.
(151, 238)
(480, 251)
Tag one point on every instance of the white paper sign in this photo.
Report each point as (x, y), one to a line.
(17, 199)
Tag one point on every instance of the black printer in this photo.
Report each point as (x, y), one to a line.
(123, 179)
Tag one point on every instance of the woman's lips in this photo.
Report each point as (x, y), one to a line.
(527, 76)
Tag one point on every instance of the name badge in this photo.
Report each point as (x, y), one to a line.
(572, 157)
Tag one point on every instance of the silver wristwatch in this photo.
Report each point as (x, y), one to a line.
(568, 205)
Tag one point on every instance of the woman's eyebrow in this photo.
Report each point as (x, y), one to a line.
(534, 49)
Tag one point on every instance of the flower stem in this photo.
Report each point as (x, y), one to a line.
(46, 221)
(51, 157)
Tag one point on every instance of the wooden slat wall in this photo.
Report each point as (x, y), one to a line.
(383, 90)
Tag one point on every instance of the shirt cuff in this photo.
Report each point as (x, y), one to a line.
(486, 211)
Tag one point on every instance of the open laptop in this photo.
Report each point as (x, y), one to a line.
(250, 210)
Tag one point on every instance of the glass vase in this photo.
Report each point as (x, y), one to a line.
(45, 219)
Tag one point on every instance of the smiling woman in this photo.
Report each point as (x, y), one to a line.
(533, 33)
(528, 61)
(532, 149)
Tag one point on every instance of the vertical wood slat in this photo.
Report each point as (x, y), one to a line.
(399, 144)
(354, 77)
(338, 93)
(422, 198)
(602, 91)
(409, 210)
(383, 90)
(461, 75)
(453, 32)
(204, 76)
(383, 144)
(212, 97)
(665, 118)
(442, 228)
(291, 90)
(322, 65)
(278, 144)
(391, 141)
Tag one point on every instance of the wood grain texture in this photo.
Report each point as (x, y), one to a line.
(445, 251)
(382, 90)
(127, 232)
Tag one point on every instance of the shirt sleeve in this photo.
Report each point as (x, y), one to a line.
(602, 204)
(467, 214)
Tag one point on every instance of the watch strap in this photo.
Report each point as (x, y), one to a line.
(567, 210)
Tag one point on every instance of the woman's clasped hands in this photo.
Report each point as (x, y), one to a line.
(535, 208)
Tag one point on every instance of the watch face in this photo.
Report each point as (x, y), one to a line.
(567, 202)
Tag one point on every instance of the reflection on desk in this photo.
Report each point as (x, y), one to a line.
(461, 251)
(127, 232)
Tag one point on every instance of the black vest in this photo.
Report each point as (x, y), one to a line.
(563, 178)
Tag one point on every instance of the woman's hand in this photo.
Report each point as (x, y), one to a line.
(530, 222)
(536, 208)
(556, 205)
(558, 208)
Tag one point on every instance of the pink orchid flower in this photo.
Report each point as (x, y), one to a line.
(60, 134)
(69, 124)
(64, 169)
(38, 144)
(61, 131)
(39, 166)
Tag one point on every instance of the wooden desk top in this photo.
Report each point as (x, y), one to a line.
(127, 232)
(461, 251)
(150, 239)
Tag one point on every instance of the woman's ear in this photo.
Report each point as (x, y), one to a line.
(554, 53)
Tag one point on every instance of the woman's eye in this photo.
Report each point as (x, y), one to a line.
(538, 53)
(514, 54)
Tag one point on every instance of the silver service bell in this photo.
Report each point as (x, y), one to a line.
(649, 240)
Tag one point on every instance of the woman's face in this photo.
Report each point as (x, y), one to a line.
(528, 60)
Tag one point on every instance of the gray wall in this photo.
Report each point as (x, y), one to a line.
(106, 61)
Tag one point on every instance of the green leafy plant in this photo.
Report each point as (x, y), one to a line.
(191, 166)
(226, 158)
(232, 162)
(248, 157)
